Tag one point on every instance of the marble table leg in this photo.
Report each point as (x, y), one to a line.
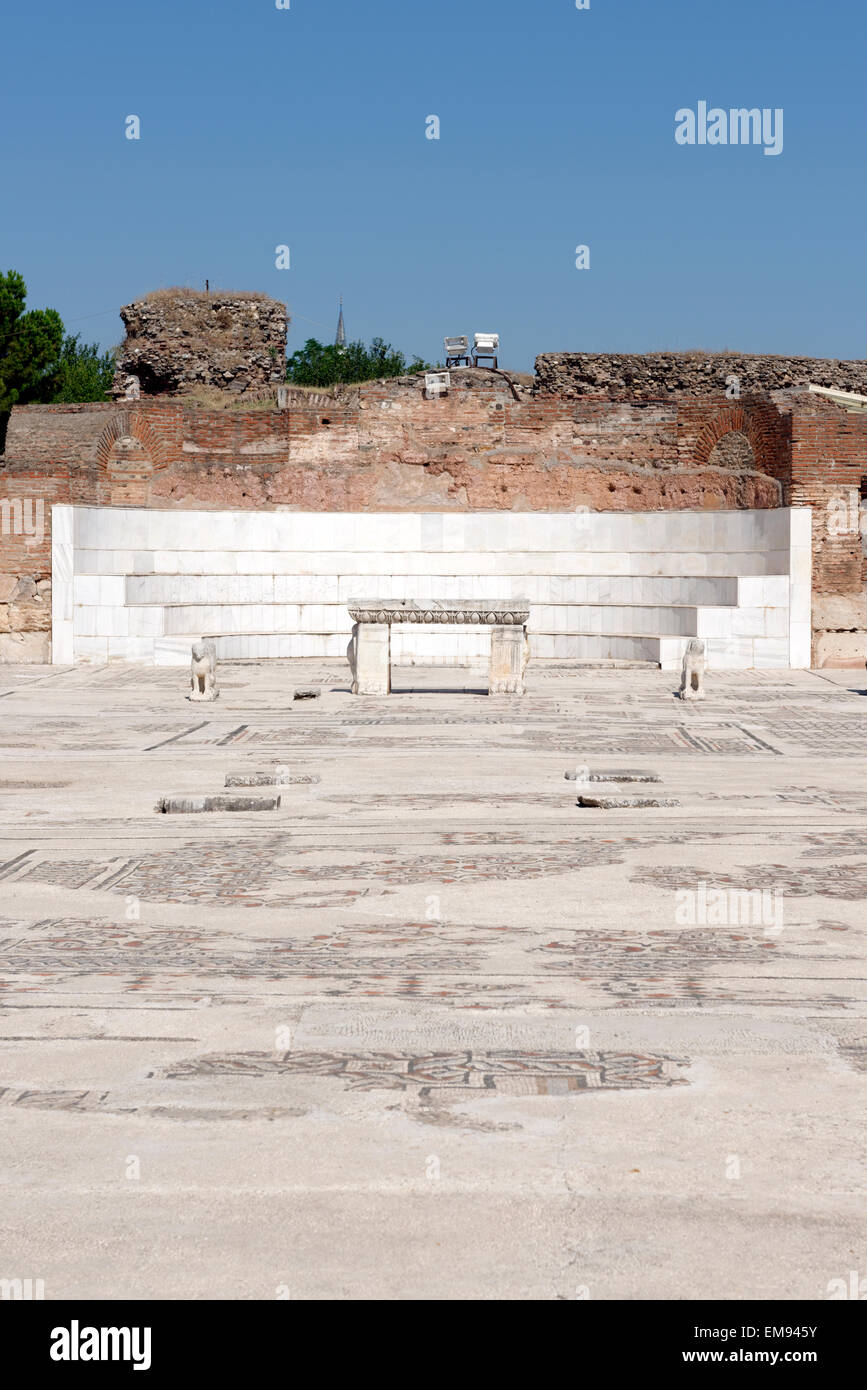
(370, 647)
(508, 660)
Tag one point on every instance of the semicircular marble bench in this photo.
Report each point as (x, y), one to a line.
(369, 649)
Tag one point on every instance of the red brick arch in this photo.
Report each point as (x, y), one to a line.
(135, 426)
(726, 421)
(761, 422)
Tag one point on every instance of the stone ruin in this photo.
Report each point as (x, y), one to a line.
(177, 340)
(655, 376)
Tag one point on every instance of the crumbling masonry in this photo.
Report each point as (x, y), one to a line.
(591, 431)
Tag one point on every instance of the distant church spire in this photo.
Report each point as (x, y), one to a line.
(340, 340)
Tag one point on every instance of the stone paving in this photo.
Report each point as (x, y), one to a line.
(430, 1029)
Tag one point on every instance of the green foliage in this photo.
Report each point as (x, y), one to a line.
(38, 362)
(29, 342)
(321, 364)
(81, 373)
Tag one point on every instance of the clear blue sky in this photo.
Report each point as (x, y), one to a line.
(307, 127)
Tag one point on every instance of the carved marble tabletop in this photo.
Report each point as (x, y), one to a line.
(502, 613)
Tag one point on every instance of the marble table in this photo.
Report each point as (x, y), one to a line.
(369, 649)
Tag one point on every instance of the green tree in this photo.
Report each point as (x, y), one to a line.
(326, 364)
(80, 373)
(29, 342)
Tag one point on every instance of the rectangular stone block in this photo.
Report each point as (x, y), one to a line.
(25, 648)
(370, 658)
(508, 660)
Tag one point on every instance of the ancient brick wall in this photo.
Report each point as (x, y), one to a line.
(828, 473)
(56, 434)
(26, 498)
(651, 375)
(489, 445)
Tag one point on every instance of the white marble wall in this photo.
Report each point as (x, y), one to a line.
(139, 585)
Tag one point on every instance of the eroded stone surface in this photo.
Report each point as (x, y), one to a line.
(624, 775)
(615, 803)
(179, 339)
(277, 778)
(188, 805)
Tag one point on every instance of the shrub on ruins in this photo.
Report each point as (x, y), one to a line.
(330, 364)
(30, 341)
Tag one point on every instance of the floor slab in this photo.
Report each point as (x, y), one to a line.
(430, 1029)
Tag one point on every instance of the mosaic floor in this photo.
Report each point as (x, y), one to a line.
(430, 1029)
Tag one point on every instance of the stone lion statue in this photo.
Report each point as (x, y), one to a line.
(203, 671)
(694, 667)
